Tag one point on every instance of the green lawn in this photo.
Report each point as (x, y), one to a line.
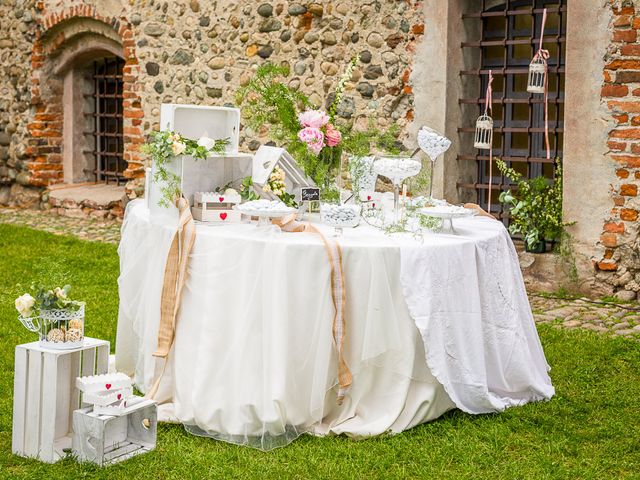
(591, 429)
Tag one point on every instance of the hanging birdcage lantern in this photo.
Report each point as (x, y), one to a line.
(484, 132)
(537, 75)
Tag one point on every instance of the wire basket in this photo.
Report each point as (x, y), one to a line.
(58, 329)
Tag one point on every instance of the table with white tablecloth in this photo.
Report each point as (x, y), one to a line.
(432, 323)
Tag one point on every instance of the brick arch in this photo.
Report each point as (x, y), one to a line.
(54, 31)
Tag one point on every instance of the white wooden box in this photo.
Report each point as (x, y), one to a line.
(194, 121)
(216, 207)
(45, 395)
(107, 439)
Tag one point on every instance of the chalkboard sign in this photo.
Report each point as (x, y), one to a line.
(310, 194)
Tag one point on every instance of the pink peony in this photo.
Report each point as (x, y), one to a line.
(313, 118)
(313, 137)
(333, 135)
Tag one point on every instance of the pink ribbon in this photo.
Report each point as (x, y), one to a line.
(488, 100)
(544, 55)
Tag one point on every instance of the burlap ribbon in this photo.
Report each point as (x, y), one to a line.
(174, 278)
(175, 271)
(338, 294)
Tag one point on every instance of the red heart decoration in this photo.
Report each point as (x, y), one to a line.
(221, 199)
(368, 197)
(119, 396)
(373, 205)
(108, 385)
(223, 216)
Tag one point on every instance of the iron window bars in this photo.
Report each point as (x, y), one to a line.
(108, 120)
(509, 35)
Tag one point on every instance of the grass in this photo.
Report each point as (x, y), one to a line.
(591, 429)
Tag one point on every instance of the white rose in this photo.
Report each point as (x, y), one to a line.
(60, 293)
(178, 147)
(24, 304)
(231, 191)
(207, 142)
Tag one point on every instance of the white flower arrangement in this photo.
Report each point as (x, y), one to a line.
(24, 305)
(45, 299)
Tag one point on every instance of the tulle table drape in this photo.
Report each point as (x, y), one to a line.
(254, 362)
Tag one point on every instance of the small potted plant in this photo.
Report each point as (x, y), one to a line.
(58, 320)
(535, 207)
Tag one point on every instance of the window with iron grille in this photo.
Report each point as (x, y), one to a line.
(108, 119)
(509, 37)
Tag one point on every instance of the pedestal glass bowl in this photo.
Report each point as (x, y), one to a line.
(396, 168)
(340, 216)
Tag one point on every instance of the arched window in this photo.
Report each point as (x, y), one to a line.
(509, 33)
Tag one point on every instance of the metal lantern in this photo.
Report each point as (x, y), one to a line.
(537, 75)
(484, 132)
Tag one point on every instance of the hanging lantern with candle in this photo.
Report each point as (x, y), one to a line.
(538, 79)
(484, 124)
(484, 133)
(537, 74)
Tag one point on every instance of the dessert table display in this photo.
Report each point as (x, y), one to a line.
(431, 325)
(254, 333)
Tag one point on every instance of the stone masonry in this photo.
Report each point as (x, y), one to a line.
(197, 52)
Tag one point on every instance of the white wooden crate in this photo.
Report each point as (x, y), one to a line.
(45, 395)
(199, 175)
(106, 439)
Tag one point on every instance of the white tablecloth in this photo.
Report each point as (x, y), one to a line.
(254, 361)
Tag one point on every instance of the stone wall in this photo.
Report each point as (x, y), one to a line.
(619, 264)
(197, 52)
(17, 27)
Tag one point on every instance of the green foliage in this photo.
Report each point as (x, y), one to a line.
(535, 206)
(266, 100)
(54, 298)
(165, 145)
(246, 191)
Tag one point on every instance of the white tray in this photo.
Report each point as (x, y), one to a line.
(107, 397)
(106, 382)
(266, 213)
(123, 407)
